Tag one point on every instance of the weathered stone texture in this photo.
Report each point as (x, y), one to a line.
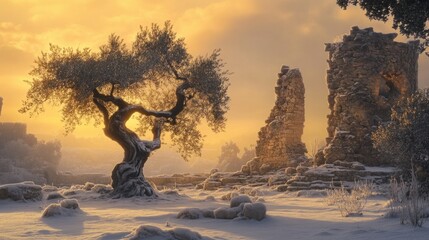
(279, 143)
(368, 72)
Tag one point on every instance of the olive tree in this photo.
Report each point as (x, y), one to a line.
(409, 16)
(155, 80)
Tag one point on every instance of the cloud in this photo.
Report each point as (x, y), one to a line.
(14, 61)
(256, 38)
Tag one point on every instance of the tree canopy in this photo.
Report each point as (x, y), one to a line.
(409, 16)
(156, 74)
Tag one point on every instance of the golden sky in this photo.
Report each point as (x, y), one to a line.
(256, 38)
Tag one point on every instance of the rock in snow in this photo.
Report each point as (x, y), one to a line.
(54, 195)
(66, 207)
(241, 208)
(227, 213)
(21, 191)
(148, 232)
(255, 211)
(195, 213)
(190, 213)
(236, 201)
(69, 204)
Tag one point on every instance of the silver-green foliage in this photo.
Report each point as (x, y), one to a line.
(149, 73)
(405, 139)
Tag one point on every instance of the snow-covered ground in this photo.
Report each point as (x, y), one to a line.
(288, 217)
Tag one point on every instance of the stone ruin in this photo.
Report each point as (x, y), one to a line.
(279, 143)
(368, 72)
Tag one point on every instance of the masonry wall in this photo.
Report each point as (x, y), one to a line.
(368, 72)
(279, 143)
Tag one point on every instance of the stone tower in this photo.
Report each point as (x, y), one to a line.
(368, 72)
(279, 143)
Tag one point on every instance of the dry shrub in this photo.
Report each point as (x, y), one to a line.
(407, 202)
(350, 203)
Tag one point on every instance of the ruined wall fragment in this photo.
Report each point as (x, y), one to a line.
(279, 143)
(368, 72)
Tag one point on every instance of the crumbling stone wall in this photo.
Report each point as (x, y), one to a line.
(368, 72)
(279, 143)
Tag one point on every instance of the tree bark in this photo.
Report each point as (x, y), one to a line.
(127, 177)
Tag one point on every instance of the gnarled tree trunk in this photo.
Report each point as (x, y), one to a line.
(127, 177)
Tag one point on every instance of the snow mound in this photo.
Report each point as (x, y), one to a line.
(49, 188)
(312, 193)
(255, 211)
(195, 213)
(21, 191)
(66, 207)
(88, 186)
(70, 204)
(190, 213)
(236, 201)
(243, 208)
(102, 188)
(54, 195)
(228, 213)
(170, 192)
(148, 232)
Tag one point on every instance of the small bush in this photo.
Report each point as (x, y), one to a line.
(407, 202)
(404, 139)
(350, 203)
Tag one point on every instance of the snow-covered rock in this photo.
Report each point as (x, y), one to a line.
(102, 188)
(69, 203)
(236, 211)
(148, 232)
(49, 188)
(21, 191)
(53, 209)
(228, 213)
(54, 195)
(255, 211)
(88, 186)
(236, 201)
(67, 207)
(311, 193)
(195, 213)
(211, 185)
(190, 213)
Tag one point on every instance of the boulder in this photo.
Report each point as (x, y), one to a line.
(21, 191)
(236, 201)
(255, 211)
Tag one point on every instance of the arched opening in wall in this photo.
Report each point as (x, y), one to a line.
(392, 91)
(390, 87)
